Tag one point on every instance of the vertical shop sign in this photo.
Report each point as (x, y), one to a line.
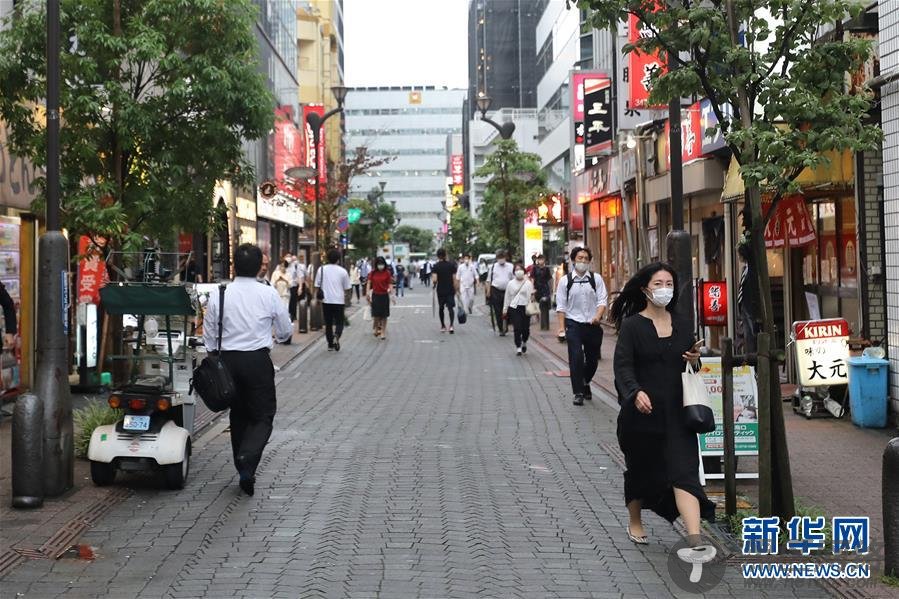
(92, 272)
(315, 156)
(578, 161)
(714, 303)
(598, 115)
(641, 66)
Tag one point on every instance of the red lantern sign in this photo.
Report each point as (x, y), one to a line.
(713, 303)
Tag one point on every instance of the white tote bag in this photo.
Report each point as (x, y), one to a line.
(698, 414)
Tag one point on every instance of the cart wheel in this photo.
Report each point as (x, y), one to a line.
(102, 474)
(176, 474)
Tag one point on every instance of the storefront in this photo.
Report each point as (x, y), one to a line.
(279, 220)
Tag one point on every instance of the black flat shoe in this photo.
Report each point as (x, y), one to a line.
(588, 394)
(578, 399)
(248, 485)
(337, 346)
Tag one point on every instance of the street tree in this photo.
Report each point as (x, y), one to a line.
(374, 228)
(517, 184)
(335, 192)
(464, 234)
(779, 92)
(419, 240)
(156, 103)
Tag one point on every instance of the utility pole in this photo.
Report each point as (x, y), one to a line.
(51, 371)
(679, 249)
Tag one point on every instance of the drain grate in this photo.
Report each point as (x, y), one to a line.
(9, 559)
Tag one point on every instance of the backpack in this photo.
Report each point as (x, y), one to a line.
(591, 280)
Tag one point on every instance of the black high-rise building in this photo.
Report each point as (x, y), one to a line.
(502, 52)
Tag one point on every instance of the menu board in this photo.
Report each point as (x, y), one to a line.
(10, 260)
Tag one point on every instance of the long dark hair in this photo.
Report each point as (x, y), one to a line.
(632, 300)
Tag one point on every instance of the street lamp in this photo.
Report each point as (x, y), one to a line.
(506, 129)
(315, 122)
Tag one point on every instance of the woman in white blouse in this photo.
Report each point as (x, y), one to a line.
(518, 294)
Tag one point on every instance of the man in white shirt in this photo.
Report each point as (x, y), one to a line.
(468, 278)
(581, 301)
(250, 313)
(334, 281)
(296, 272)
(498, 278)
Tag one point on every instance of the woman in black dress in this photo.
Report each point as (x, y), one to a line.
(661, 454)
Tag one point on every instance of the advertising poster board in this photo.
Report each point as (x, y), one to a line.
(746, 421)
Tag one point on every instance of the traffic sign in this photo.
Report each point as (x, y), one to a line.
(342, 224)
(353, 215)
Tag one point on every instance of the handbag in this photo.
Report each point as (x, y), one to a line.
(211, 379)
(698, 415)
(461, 316)
(319, 292)
(532, 309)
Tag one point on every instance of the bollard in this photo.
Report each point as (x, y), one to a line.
(891, 508)
(315, 316)
(303, 316)
(27, 452)
(544, 314)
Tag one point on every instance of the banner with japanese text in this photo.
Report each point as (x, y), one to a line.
(790, 224)
(597, 115)
(641, 66)
(822, 351)
(714, 303)
(92, 272)
(578, 158)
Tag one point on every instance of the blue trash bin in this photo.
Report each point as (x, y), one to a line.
(868, 391)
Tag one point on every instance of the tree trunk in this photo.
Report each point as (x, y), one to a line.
(779, 481)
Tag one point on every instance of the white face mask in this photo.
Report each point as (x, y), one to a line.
(581, 267)
(380, 267)
(519, 274)
(500, 260)
(662, 297)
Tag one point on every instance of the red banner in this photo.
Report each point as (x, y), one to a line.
(641, 66)
(690, 134)
(315, 157)
(790, 224)
(713, 303)
(91, 271)
(287, 149)
(457, 170)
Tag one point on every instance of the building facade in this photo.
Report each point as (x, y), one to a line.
(502, 51)
(889, 190)
(410, 125)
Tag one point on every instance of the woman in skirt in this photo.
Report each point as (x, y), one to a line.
(377, 292)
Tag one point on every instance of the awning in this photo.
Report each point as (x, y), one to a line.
(837, 174)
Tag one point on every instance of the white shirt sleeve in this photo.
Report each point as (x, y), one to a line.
(562, 295)
(210, 322)
(601, 294)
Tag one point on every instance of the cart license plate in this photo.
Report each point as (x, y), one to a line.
(136, 423)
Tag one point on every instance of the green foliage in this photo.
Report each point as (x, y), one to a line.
(378, 220)
(155, 107)
(735, 524)
(419, 240)
(786, 88)
(889, 580)
(517, 184)
(95, 413)
(464, 234)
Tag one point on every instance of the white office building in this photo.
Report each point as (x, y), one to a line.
(410, 124)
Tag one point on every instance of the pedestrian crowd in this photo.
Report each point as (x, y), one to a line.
(651, 353)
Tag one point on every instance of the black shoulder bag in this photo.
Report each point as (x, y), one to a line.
(211, 379)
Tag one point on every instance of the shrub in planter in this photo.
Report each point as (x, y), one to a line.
(86, 419)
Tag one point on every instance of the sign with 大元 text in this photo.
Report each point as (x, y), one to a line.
(822, 351)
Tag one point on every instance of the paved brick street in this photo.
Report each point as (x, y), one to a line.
(426, 465)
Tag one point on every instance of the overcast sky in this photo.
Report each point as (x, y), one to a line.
(406, 42)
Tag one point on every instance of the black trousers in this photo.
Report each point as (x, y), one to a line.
(521, 324)
(333, 314)
(447, 300)
(253, 412)
(292, 304)
(584, 342)
(497, 297)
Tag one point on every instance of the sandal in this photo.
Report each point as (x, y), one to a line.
(638, 540)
